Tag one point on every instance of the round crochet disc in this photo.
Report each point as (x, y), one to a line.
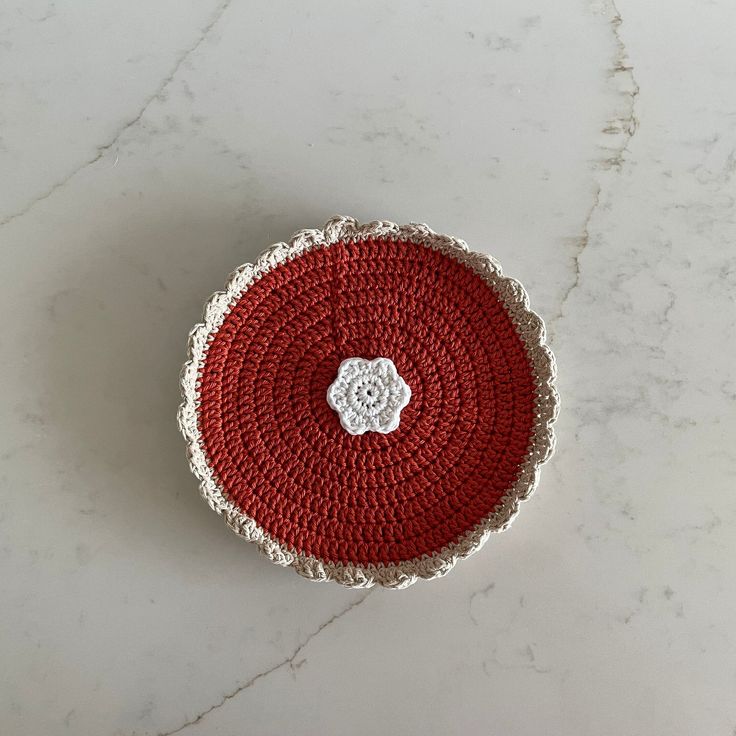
(367, 403)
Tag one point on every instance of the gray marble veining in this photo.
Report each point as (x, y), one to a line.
(148, 149)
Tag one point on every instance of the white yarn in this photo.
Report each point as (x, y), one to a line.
(368, 395)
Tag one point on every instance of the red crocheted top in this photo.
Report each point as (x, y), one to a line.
(278, 450)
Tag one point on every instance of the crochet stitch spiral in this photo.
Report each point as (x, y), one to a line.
(376, 507)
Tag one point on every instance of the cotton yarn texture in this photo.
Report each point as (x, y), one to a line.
(386, 507)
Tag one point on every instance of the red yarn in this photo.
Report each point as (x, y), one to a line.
(278, 449)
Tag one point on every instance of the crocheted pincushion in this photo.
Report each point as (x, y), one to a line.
(368, 402)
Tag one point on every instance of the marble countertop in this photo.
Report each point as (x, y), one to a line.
(148, 148)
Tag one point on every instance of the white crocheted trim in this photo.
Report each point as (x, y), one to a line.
(368, 395)
(529, 326)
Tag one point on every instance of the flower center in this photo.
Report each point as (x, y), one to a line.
(368, 394)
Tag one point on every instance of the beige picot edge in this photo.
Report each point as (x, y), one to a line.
(401, 575)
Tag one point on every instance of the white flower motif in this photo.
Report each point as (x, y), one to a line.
(368, 395)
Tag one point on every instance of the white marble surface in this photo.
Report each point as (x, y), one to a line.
(148, 148)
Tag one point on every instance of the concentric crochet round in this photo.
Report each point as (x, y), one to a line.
(291, 361)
